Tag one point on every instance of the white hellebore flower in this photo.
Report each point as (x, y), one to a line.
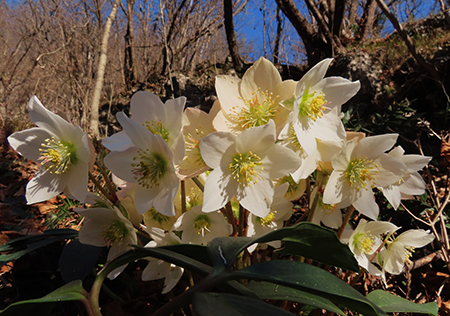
(61, 148)
(315, 106)
(358, 168)
(328, 214)
(196, 125)
(107, 227)
(160, 269)
(365, 240)
(244, 166)
(281, 211)
(411, 183)
(401, 249)
(149, 164)
(199, 227)
(254, 100)
(161, 119)
(326, 151)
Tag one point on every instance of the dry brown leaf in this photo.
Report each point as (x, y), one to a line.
(445, 151)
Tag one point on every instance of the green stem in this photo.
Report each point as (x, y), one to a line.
(95, 292)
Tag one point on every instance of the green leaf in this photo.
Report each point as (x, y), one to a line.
(196, 252)
(270, 291)
(224, 304)
(391, 303)
(304, 239)
(77, 260)
(26, 244)
(322, 245)
(224, 250)
(72, 291)
(309, 278)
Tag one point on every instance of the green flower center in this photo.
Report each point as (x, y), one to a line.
(293, 186)
(245, 168)
(156, 127)
(360, 172)
(149, 168)
(255, 113)
(157, 216)
(202, 223)
(364, 242)
(115, 232)
(266, 221)
(312, 105)
(57, 155)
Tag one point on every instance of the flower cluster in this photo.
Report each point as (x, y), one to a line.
(186, 176)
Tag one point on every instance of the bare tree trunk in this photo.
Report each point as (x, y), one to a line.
(367, 20)
(231, 36)
(94, 123)
(276, 45)
(128, 61)
(316, 48)
(352, 12)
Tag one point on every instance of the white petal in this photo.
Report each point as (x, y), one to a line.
(213, 147)
(118, 142)
(392, 194)
(366, 204)
(77, 184)
(257, 198)
(337, 90)
(44, 185)
(416, 238)
(47, 119)
(257, 139)
(28, 142)
(261, 75)
(336, 189)
(315, 74)
(415, 162)
(373, 146)
(219, 189)
(391, 170)
(119, 162)
(146, 106)
(413, 185)
(281, 161)
(227, 89)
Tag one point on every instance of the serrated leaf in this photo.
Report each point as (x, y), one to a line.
(309, 278)
(72, 291)
(391, 303)
(224, 304)
(270, 291)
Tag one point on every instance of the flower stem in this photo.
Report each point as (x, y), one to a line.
(228, 211)
(102, 189)
(183, 196)
(198, 183)
(95, 292)
(348, 215)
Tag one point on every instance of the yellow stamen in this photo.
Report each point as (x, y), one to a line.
(361, 172)
(149, 168)
(156, 127)
(245, 168)
(257, 112)
(57, 156)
